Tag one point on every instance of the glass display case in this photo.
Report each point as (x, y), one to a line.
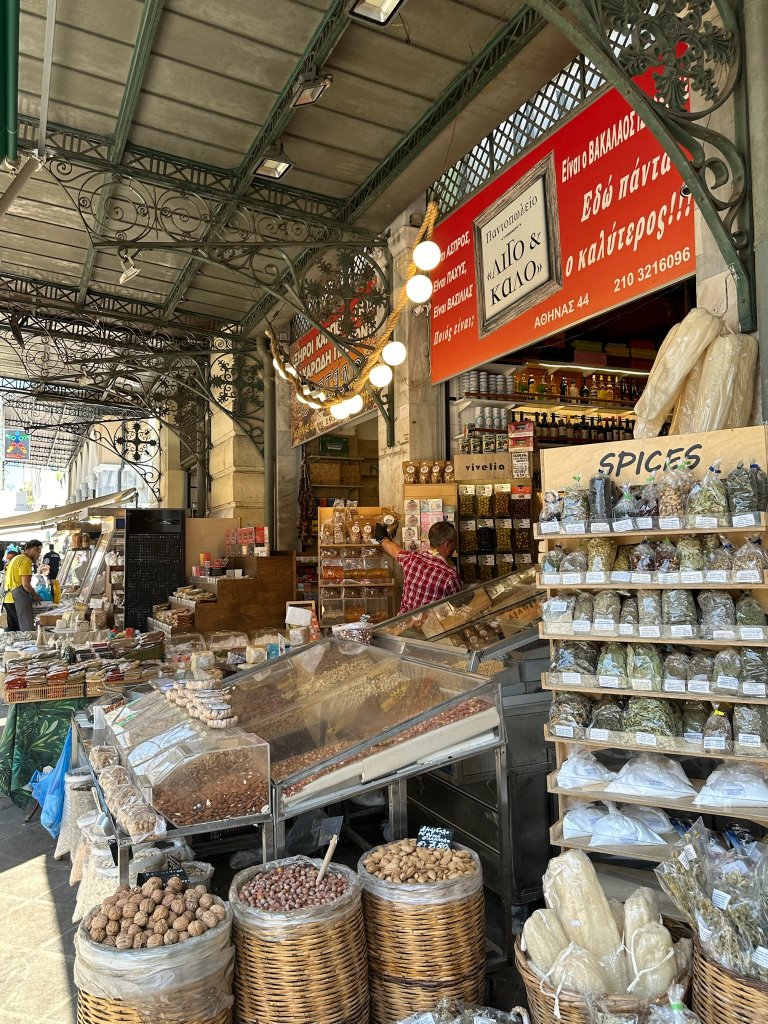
(191, 774)
(340, 716)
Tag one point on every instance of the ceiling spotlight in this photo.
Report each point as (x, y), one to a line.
(130, 267)
(375, 12)
(394, 353)
(310, 88)
(274, 163)
(427, 255)
(279, 369)
(339, 411)
(380, 375)
(418, 289)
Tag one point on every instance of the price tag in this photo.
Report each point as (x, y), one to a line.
(551, 527)
(752, 632)
(670, 523)
(571, 678)
(674, 685)
(716, 576)
(571, 577)
(714, 742)
(330, 827)
(645, 739)
(595, 577)
(748, 739)
(723, 634)
(627, 629)
(605, 625)
(746, 519)
(522, 524)
(730, 683)
(563, 730)
(698, 686)
(582, 627)
(687, 855)
(144, 876)
(669, 578)
(748, 576)
(760, 956)
(609, 682)
(721, 899)
(434, 838)
(641, 577)
(650, 630)
(599, 526)
(620, 576)
(644, 523)
(692, 577)
(681, 630)
(556, 605)
(575, 527)
(623, 525)
(599, 735)
(550, 578)
(642, 684)
(705, 522)
(753, 689)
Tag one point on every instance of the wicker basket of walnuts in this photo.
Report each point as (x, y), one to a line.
(161, 952)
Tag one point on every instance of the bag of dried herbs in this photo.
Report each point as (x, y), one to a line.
(676, 666)
(574, 656)
(717, 609)
(649, 607)
(575, 503)
(667, 558)
(621, 562)
(643, 557)
(708, 498)
(759, 485)
(648, 499)
(750, 556)
(612, 661)
(717, 733)
(626, 507)
(690, 554)
(551, 509)
(749, 612)
(552, 560)
(644, 662)
(740, 489)
(678, 608)
(695, 714)
(559, 609)
(608, 713)
(571, 709)
(648, 714)
(754, 668)
(583, 609)
(750, 730)
(629, 611)
(600, 496)
(700, 667)
(726, 671)
(718, 552)
(575, 561)
(601, 554)
(607, 607)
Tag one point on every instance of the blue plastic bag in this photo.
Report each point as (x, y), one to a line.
(48, 790)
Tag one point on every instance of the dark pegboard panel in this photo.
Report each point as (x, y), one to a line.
(154, 560)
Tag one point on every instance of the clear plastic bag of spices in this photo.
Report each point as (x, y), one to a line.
(600, 497)
(740, 487)
(575, 503)
(671, 503)
(708, 502)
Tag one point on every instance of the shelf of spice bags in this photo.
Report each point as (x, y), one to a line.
(672, 689)
(631, 633)
(653, 527)
(712, 579)
(595, 791)
(654, 853)
(649, 743)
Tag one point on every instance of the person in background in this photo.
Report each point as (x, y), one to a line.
(42, 583)
(53, 560)
(20, 596)
(427, 575)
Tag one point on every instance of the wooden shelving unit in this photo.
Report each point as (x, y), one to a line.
(558, 469)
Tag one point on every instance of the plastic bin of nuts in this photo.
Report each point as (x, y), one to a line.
(425, 926)
(300, 944)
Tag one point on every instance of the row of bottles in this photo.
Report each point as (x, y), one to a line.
(592, 429)
(600, 388)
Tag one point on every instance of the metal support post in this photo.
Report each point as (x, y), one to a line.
(397, 800)
(505, 847)
(270, 430)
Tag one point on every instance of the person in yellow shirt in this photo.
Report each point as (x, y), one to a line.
(20, 595)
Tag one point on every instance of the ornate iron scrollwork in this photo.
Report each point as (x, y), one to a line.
(135, 442)
(695, 63)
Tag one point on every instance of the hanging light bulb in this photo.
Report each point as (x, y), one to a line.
(394, 353)
(339, 411)
(419, 289)
(290, 368)
(301, 398)
(279, 369)
(354, 405)
(427, 255)
(380, 375)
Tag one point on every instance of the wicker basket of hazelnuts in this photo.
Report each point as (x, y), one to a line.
(161, 952)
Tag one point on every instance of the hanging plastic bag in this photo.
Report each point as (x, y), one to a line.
(682, 414)
(740, 412)
(716, 385)
(582, 768)
(52, 803)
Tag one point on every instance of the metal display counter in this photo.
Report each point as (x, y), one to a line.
(491, 629)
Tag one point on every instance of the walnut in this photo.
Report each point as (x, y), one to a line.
(109, 940)
(200, 890)
(168, 899)
(115, 913)
(140, 940)
(199, 912)
(112, 927)
(130, 910)
(177, 905)
(209, 920)
(99, 921)
(218, 911)
(175, 884)
(183, 936)
(124, 942)
(171, 937)
(141, 919)
(155, 940)
(182, 922)
(134, 929)
(196, 928)
(191, 903)
(206, 901)
(150, 885)
(160, 913)
(161, 927)
(147, 905)
(110, 901)
(98, 934)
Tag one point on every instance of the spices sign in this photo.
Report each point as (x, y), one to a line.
(592, 217)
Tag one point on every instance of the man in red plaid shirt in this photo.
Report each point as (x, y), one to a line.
(427, 575)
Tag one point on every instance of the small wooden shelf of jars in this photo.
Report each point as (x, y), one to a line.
(558, 469)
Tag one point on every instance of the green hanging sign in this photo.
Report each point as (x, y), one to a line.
(9, 79)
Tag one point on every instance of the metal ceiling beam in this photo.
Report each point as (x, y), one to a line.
(321, 45)
(151, 13)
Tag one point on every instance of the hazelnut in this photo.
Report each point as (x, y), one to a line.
(161, 927)
(175, 884)
(141, 919)
(206, 901)
(98, 934)
(140, 940)
(112, 927)
(147, 905)
(124, 942)
(196, 928)
(160, 913)
(155, 940)
(177, 905)
(99, 921)
(171, 937)
(209, 920)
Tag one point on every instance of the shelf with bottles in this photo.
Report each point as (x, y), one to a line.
(562, 428)
(582, 385)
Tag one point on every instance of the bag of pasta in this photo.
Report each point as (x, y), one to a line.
(708, 500)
